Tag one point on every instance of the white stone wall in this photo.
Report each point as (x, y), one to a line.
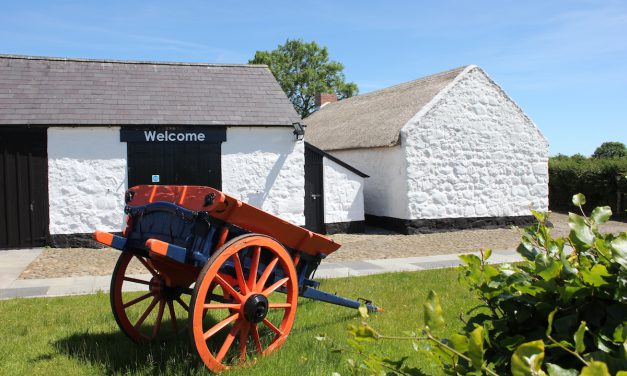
(86, 179)
(265, 167)
(474, 153)
(343, 193)
(385, 191)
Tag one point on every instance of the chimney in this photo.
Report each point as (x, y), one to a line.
(324, 98)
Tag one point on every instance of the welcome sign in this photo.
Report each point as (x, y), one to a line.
(211, 135)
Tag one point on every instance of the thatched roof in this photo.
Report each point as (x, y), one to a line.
(376, 118)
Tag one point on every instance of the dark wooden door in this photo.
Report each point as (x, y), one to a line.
(23, 188)
(314, 194)
(175, 163)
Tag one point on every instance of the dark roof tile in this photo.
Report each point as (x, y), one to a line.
(37, 90)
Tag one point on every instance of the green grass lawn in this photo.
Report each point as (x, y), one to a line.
(78, 335)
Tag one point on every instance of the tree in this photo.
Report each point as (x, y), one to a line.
(610, 150)
(304, 70)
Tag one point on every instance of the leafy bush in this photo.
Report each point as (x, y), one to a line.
(561, 311)
(601, 180)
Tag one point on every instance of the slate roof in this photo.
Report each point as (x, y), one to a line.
(56, 91)
(374, 119)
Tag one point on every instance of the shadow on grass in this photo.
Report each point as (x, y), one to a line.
(170, 354)
(116, 353)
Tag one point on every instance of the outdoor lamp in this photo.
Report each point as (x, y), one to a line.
(299, 130)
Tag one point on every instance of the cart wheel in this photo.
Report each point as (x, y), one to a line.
(136, 317)
(259, 297)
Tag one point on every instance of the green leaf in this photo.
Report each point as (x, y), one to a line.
(619, 249)
(532, 290)
(579, 199)
(579, 229)
(549, 327)
(580, 346)
(527, 359)
(459, 342)
(595, 369)
(567, 292)
(363, 311)
(433, 311)
(487, 253)
(620, 333)
(568, 267)
(595, 275)
(475, 347)
(555, 370)
(364, 332)
(540, 216)
(470, 259)
(547, 267)
(601, 214)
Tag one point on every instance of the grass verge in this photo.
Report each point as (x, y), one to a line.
(78, 335)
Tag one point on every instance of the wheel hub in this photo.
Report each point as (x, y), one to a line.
(256, 308)
(159, 287)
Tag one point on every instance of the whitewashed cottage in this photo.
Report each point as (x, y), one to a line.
(451, 150)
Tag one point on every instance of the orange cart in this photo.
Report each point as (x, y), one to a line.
(237, 271)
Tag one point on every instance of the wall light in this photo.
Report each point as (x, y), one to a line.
(299, 130)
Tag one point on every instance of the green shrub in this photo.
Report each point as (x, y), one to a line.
(601, 180)
(561, 311)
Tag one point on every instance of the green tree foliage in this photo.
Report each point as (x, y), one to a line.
(304, 70)
(561, 311)
(610, 150)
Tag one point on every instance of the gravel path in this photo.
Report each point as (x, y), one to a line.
(71, 262)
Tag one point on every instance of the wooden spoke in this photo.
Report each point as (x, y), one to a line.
(182, 303)
(279, 305)
(274, 286)
(228, 288)
(266, 274)
(146, 313)
(256, 339)
(239, 272)
(135, 280)
(222, 306)
(254, 266)
(137, 300)
(148, 266)
(172, 315)
(243, 338)
(271, 326)
(228, 341)
(219, 326)
(157, 326)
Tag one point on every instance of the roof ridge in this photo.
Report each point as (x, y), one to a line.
(406, 83)
(139, 62)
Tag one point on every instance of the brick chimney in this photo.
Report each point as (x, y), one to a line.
(324, 98)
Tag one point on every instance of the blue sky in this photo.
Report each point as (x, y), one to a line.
(564, 62)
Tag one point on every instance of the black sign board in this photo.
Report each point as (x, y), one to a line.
(178, 135)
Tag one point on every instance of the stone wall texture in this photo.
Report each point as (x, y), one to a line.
(86, 179)
(343, 194)
(473, 153)
(385, 191)
(265, 168)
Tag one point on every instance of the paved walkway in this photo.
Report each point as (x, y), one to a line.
(13, 262)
